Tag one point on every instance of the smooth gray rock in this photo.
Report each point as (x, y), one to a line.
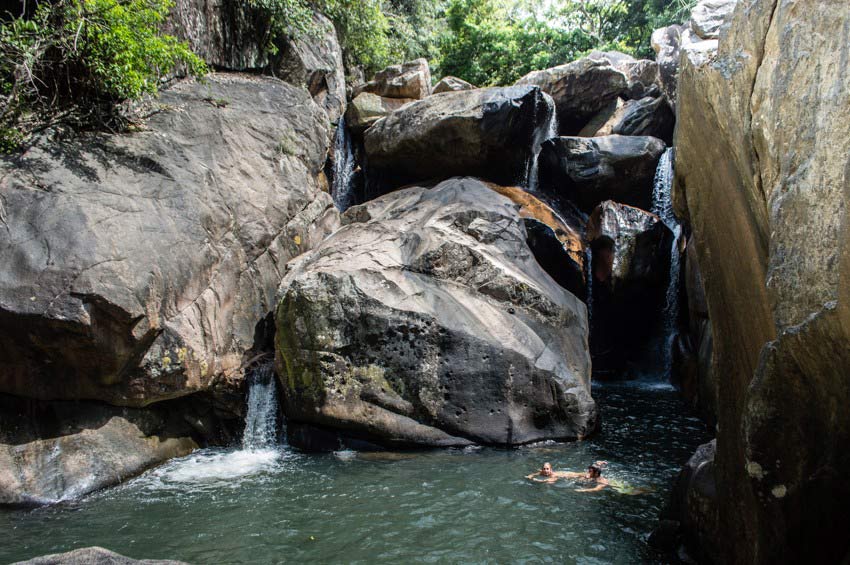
(647, 116)
(588, 171)
(487, 132)
(666, 42)
(425, 321)
(580, 90)
(368, 108)
(93, 556)
(451, 84)
(139, 267)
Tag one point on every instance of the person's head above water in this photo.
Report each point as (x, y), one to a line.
(593, 472)
(546, 470)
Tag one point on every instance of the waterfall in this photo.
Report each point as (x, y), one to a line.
(588, 259)
(662, 206)
(532, 170)
(261, 420)
(344, 166)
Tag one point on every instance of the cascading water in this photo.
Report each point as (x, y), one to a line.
(662, 206)
(344, 167)
(588, 259)
(532, 170)
(261, 419)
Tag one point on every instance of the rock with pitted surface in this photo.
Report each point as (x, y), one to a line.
(629, 269)
(368, 108)
(425, 321)
(140, 267)
(451, 84)
(580, 90)
(94, 556)
(666, 42)
(770, 185)
(488, 132)
(647, 116)
(588, 171)
(410, 80)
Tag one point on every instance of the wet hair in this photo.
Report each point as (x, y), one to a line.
(595, 471)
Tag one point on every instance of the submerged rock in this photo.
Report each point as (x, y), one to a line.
(588, 171)
(411, 80)
(451, 84)
(94, 556)
(139, 267)
(770, 185)
(488, 132)
(580, 90)
(426, 322)
(629, 270)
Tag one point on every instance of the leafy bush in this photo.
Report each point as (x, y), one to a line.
(77, 59)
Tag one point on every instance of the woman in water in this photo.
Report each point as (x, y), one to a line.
(593, 476)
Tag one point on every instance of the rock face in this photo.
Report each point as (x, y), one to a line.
(588, 171)
(580, 90)
(94, 556)
(641, 71)
(410, 80)
(694, 503)
(666, 42)
(368, 108)
(488, 132)
(92, 446)
(139, 266)
(772, 178)
(630, 265)
(451, 84)
(426, 322)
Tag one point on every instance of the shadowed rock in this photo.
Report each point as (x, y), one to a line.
(588, 171)
(426, 322)
(487, 132)
(648, 116)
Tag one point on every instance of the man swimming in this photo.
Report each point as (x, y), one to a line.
(593, 476)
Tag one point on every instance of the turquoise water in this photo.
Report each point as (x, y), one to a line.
(471, 505)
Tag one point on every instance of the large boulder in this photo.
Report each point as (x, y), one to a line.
(410, 80)
(425, 321)
(490, 132)
(93, 556)
(640, 73)
(451, 84)
(580, 90)
(694, 504)
(140, 267)
(368, 108)
(630, 265)
(650, 116)
(667, 42)
(313, 61)
(588, 171)
(762, 175)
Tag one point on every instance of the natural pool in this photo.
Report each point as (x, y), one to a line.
(472, 505)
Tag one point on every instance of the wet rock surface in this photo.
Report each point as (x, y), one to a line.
(94, 556)
(425, 321)
(488, 132)
(141, 265)
(648, 116)
(588, 171)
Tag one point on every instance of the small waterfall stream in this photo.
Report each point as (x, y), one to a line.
(532, 170)
(261, 419)
(344, 167)
(662, 206)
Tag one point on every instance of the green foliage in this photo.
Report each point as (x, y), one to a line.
(364, 31)
(77, 59)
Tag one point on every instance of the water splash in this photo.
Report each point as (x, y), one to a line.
(261, 419)
(533, 168)
(662, 206)
(344, 167)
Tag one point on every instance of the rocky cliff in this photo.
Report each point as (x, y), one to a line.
(762, 177)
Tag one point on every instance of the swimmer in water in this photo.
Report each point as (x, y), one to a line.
(593, 475)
